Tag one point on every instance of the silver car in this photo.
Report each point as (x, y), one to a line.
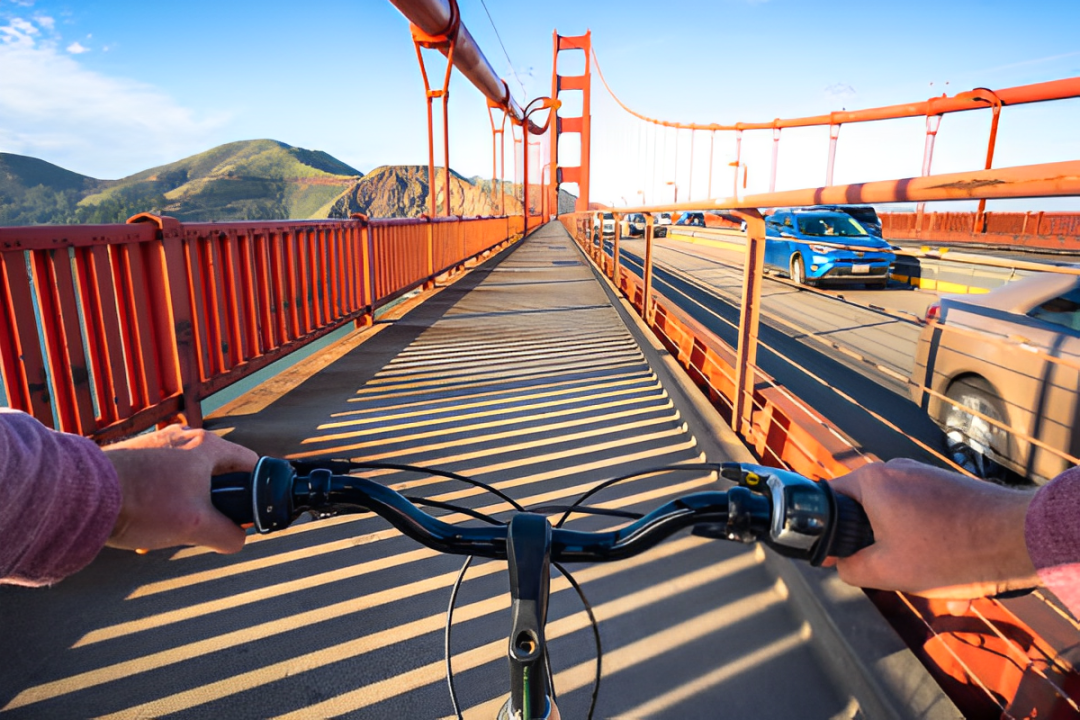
(1012, 355)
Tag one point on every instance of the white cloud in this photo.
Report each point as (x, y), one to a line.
(77, 48)
(18, 32)
(49, 23)
(54, 108)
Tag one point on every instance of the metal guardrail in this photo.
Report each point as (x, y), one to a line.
(117, 328)
(1039, 231)
(1002, 659)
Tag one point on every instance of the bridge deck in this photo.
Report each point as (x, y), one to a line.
(523, 375)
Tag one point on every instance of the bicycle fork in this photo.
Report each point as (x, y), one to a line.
(528, 552)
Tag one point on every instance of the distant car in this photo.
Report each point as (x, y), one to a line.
(663, 218)
(607, 224)
(708, 218)
(1013, 355)
(633, 225)
(814, 246)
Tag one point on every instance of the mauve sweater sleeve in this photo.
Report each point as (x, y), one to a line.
(59, 500)
(1052, 533)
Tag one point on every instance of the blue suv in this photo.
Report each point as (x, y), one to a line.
(814, 246)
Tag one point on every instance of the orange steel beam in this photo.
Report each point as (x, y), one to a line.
(440, 18)
(445, 43)
(1059, 179)
(750, 315)
(581, 125)
(498, 152)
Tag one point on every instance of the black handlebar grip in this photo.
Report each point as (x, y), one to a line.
(231, 495)
(852, 528)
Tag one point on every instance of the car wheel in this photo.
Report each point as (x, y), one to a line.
(798, 273)
(968, 438)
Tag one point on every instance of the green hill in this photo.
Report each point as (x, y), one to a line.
(34, 191)
(247, 180)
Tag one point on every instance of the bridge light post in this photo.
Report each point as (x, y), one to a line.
(545, 198)
(544, 103)
(735, 187)
(676, 186)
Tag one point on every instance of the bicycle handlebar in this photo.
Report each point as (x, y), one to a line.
(798, 517)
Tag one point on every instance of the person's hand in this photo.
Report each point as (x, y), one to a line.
(165, 485)
(937, 533)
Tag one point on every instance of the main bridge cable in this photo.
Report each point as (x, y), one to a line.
(969, 100)
(513, 70)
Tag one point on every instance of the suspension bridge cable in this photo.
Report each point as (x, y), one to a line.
(510, 62)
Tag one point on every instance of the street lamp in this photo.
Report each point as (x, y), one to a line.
(674, 185)
(737, 165)
(549, 201)
(544, 103)
(642, 194)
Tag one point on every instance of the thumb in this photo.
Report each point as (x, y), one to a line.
(849, 486)
(219, 533)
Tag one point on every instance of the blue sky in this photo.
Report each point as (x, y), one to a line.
(108, 88)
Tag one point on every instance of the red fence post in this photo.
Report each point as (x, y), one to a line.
(184, 362)
(746, 359)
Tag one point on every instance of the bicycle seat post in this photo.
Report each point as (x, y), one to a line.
(528, 552)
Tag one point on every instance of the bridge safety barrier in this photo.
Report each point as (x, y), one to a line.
(1045, 231)
(113, 329)
(1008, 659)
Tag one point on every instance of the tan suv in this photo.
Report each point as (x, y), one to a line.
(1012, 354)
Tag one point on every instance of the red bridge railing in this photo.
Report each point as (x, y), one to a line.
(1054, 231)
(116, 328)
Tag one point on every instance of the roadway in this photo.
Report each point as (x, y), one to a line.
(845, 351)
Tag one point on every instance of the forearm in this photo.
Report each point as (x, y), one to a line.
(59, 500)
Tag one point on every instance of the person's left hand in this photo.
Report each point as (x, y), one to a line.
(165, 486)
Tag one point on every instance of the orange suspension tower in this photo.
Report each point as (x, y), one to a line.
(580, 125)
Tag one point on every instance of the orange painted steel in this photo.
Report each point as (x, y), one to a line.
(1004, 658)
(580, 125)
(1060, 179)
(1057, 231)
(170, 312)
(441, 19)
(979, 98)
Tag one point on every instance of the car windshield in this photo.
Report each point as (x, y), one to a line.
(830, 225)
(609, 216)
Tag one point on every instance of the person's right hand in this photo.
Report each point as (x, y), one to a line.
(937, 533)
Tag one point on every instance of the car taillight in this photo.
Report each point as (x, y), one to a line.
(933, 313)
